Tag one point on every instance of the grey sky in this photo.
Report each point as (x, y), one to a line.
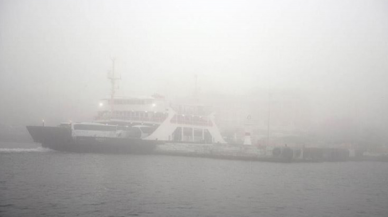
(54, 55)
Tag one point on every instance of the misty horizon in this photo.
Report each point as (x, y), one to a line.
(55, 56)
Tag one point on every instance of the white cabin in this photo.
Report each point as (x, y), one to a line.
(162, 120)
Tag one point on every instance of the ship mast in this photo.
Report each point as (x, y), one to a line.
(196, 89)
(113, 79)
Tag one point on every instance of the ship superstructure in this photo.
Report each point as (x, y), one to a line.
(165, 120)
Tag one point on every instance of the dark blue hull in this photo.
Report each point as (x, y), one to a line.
(60, 139)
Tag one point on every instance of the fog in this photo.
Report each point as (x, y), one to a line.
(55, 55)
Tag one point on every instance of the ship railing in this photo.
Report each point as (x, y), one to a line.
(148, 119)
(189, 122)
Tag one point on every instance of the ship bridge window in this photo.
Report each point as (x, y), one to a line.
(130, 102)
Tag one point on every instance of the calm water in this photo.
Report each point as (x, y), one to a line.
(38, 182)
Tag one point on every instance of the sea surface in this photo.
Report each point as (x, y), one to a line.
(39, 182)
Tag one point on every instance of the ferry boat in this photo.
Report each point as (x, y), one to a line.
(132, 125)
(136, 125)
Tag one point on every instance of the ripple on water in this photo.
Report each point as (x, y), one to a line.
(86, 185)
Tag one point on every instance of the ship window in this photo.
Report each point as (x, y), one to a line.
(94, 127)
(187, 134)
(177, 134)
(208, 136)
(65, 125)
(148, 130)
(187, 131)
(198, 135)
(133, 132)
